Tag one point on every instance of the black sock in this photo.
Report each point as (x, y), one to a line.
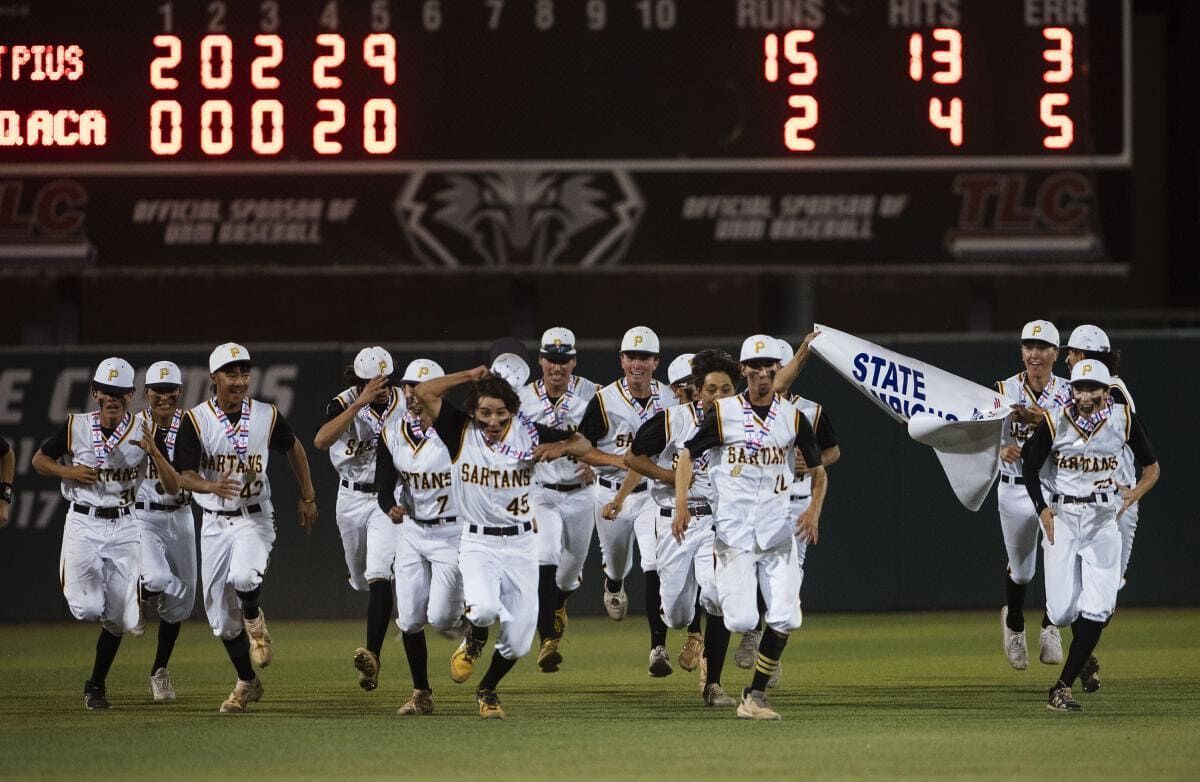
(770, 649)
(477, 633)
(417, 653)
(379, 614)
(1014, 596)
(238, 649)
(496, 671)
(1086, 634)
(694, 627)
(167, 633)
(716, 645)
(658, 628)
(762, 609)
(561, 601)
(547, 601)
(1045, 620)
(250, 602)
(106, 651)
(613, 584)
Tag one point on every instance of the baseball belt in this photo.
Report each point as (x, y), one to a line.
(100, 513)
(369, 488)
(703, 509)
(1063, 499)
(505, 532)
(606, 483)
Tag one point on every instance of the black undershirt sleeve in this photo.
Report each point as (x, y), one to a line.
(806, 441)
(707, 438)
(1033, 456)
(56, 445)
(187, 446)
(449, 425)
(1139, 443)
(334, 408)
(826, 438)
(385, 476)
(592, 426)
(282, 438)
(4, 446)
(651, 437)
(548, 434)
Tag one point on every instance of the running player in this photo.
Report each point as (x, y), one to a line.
(354, 419)
(100, 458)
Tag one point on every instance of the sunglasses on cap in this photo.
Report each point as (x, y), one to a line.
(557, 358)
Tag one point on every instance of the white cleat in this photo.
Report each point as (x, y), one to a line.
(1051, 652)
(260, 640)
(1015, 647)
(747, 652)
(754, 706)
(161, 687)
(616, 604)
(660, 662)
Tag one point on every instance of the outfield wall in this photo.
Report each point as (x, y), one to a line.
(892, 535)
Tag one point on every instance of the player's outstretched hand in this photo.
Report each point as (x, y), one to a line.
(545, 452)
(611, 510)
(396, 514)
(1010, 453)
(81, 473)
(227, 487)
(147, 443)
(806, 526)
(307, 515)
(1047, 519)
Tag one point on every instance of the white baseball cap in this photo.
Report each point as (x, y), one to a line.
(1092, 371)
(680, 369)
(1089, 338)
(785, 352)
(114, 374)
(640, 339)
(1040, 331)
(558, 341)
(761, 346)
(163, 373)
(373, 361)
(421, 369)
(228, 353)
(512, 368)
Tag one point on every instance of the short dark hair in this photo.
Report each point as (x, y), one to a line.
(1109, 358)
(496, 388)
(711, 360)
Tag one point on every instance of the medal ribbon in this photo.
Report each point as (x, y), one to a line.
(100, 446)
(414, 426)
(1088, 423)
(504, 449)
(239, 438)
(644, 413)
(172, 431)
(756, 437)
(556, 414)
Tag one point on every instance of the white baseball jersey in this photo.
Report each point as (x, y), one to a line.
(218, 455)
(353, 455)
(425, 485)
(1080, 464)
(565, 413)
(1126, 474)
(117, 481)
(151, 489)
(1056, 394)
(681, 423)
(623, 416)
(802, 485)
(492, 487)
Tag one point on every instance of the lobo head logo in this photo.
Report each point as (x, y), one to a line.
(519, 217)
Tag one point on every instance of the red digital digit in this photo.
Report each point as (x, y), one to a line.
(805, 61)
(951, 57)
(379, 51)
(1060, 122)
(158, 79)
(771, 58)
(337, 46)
(266, 115)
(258, 69)
(322, 144)
(916, 47)
(1063, 54)
(951, 121)
(216, 141)
(795, 127)
(170, 113)
(379, 111)
(223, 47)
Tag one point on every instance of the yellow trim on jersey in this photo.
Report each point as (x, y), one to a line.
(999, 386)
(603, 412)
(271, 431)
(666, 424)
(407, 432)
(1048, 415)
(1084, 434)
(392, 406)
(70, 428)
(817, 417)
(1128, 422)
(796, 423)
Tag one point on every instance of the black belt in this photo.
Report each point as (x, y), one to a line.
(1063, 499)
(369, 488)
(437, 521)
(606, 483)
(501, 531)
(256, 508)
(1013, 479)
(702, 509)
(797, 497)
(100, 513)
(155, 506)
(561, 486)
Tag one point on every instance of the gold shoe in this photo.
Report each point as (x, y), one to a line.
(260, 640)
(421, 702)
(244, 693)
(549, 658)
(692, 652)
(462, 662)
(489, 705)
(368, 668)
(560, 621)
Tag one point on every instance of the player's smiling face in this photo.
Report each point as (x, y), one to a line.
(639, 368)
(112, 406)
(163, 398)
(411, 399)
(1038, 358)
(556, 369)
(232, 382)
(1088, 396)
(492, 417)
(717, 385)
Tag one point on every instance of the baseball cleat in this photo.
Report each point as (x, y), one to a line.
(754, 706)
(489, 705)
(260, 640)
(367, 664)
(1062, 700)
(776, 675)
(1089, 677)
(244, 693)
(703, 674)
(747, 652)
(560, 621)
(93, 697)
(1015, 647)
(715, 695)
(421, 702)
(1050, 651)
(462, 662)
(161, 687)
(660, 662)
(692, 652)
(549, 658)
(616, 604)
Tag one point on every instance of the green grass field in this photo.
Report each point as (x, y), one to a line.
(878, 695)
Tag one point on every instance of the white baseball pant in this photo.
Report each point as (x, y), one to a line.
(797, 507)
(168, 540)
(616, 536)
(429, 587)
(565, 523)
(1127, 523)
(234, 553)
(741, 573)
(1020, 525)
(99, 568)
(368, 538)
(500, 584)
(1083, 567)
(685, 567)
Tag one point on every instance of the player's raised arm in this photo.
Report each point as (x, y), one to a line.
(328, 434)
(787, 374)
(430, 392)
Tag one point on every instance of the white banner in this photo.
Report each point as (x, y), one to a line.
(959, 419)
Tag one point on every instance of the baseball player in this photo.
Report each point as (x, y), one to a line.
(1080, 444)
(1038, 390)
(100, 457)
(748, 439)
(562, 493)
(679, 377)
(168, 529)
(414, 475)
(611, 419)
(493, 448)
(222, 453)
(354, 420)
(8, 464)
(685, 555)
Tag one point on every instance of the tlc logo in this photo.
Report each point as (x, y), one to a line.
(998, 202)
(55, 210)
